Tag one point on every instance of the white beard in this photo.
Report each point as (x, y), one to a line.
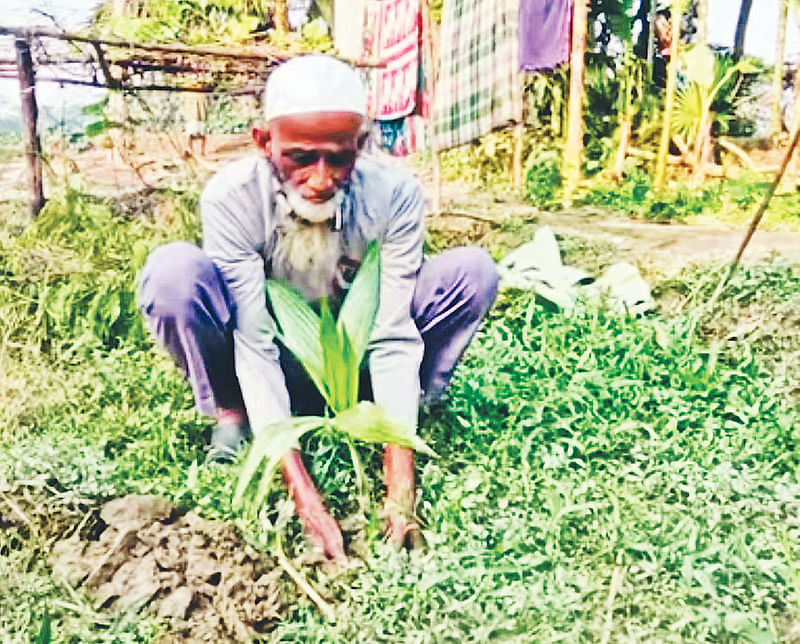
(307, 254)
(316, 213)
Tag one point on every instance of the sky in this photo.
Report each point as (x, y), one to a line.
(70, 14)
(762, 28)
(760, 41)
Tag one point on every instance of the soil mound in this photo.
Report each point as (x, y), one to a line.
(198, 574)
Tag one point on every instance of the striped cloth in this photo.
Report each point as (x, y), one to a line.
(479, 86)
(392, 36)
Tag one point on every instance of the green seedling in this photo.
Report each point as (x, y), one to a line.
(330, 350)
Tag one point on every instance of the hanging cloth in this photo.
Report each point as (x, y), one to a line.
(392, 37)
(543, 33)
(479, 86)
(348, 27)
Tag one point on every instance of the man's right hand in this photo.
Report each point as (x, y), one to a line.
(321, 528)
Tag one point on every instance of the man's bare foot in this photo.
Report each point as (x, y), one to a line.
(321, 528)
(398, 470)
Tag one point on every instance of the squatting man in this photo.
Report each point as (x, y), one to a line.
(304, 210)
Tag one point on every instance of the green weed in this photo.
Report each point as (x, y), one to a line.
(576, 452)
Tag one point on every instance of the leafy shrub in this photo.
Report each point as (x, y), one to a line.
(635, 195)
(70, 277)
(543, 180)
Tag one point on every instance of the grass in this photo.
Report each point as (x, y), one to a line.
(600, 478)
(727, 202)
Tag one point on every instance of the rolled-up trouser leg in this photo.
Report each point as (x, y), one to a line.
(187, 307)
(454, 291)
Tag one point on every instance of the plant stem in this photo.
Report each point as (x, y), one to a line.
(359, 470)
(325, 608)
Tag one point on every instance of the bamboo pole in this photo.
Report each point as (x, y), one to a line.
(574, 144)
(672, 78)
(432, 77)
(30, 138)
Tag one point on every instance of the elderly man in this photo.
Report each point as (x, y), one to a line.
(304, 210)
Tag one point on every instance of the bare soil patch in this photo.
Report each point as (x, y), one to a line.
(472, 216)
(195, 573)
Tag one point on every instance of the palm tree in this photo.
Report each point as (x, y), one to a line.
(777, 77)
(741, 28)
(701, 6)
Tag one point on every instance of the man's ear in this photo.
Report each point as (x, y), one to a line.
(363, 136)
(262, 139)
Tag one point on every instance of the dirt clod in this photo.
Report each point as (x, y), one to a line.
(197, 574)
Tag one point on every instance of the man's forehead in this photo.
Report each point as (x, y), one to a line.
(322, 127)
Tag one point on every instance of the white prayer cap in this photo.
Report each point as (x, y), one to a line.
(313, 84)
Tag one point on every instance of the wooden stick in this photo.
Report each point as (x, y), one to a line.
(272, 54)
(516, 159)
(241, 91)
(325, 608)
(42, 32)
(30, 138)
(756, 219)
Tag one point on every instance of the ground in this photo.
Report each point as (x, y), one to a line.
(600, 477)
(155, 161)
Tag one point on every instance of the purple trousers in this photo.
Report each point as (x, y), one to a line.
(186, 305)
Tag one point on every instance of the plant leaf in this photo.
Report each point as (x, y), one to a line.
(269, 447)
(369, 423)
(361, 304)
(351, 364)
(334, 368)
(700, 66)
(45, 632)
(298, 329)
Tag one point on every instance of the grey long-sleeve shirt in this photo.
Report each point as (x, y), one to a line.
(239, 218)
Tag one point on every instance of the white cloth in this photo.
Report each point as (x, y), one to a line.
(537, 266)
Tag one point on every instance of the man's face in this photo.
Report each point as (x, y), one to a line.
(314, 153)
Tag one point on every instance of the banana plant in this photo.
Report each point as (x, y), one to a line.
(330, 350)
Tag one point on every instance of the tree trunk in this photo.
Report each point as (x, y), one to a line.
(741, 28)
(281, 17)
(669, 103)
(625, 130)
(574, 144)
(777, 74)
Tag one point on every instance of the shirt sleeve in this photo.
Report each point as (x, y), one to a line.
(396, 346)
(233, 230)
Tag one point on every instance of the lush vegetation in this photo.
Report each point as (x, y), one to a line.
(598, 477)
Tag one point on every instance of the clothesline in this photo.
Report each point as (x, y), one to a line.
(484, 47)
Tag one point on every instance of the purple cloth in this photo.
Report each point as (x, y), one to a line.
(543, 33)
(187, 308)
